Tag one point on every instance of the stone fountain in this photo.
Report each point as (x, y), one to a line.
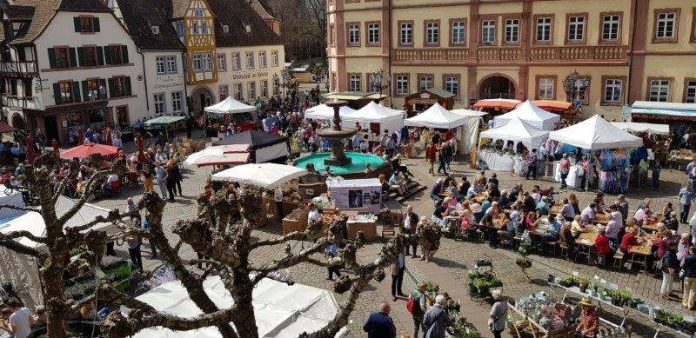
(336, 134)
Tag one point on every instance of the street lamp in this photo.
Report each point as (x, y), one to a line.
(276, 84)
(378, 81)
(574, 84)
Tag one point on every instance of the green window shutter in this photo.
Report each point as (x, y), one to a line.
(112, 87)
(78, 26)
(102, 89)
(76, 91)
(95, 24)
(124, 53)
(107, 55)
(100, 55)
(73, 57)
(128, 86)
(52, 57)
(85, 90)
(81, 56)
(56, 93)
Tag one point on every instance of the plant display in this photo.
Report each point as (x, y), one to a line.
(546, 311)
(460, 328)
(524, 262)
(429, 234)
(482, 278)
(675, 321)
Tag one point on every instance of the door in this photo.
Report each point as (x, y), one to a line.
(51, 124)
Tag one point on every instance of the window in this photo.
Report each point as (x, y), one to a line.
(544, 26)
(238, 91)
(354, 84)
(458, 32)
(88, 56)
(432, 33)
(171, 64)
(275, 59)
(613, 91)
(116, 55)
(406, 33)
(666, 25)
(252, 90)
(66, 92)
(512, 31)
(611, 27)
(659, 90)
(222, 62)
(223, 91)
(166, 65)
(198, 11)
(197, 62)
(690, 91)
(120, 86)
(161, 66)
(236, 61)
(425, 82)
(179, 28)
(373, 38)
(160, 105)
(93, 89)
(250, 60)
(207, 62)
(353, 34)
(373, 84)
(264, 88)
(488, 32)
(401, 87)
(59, 57)
(86, 24)
(262, 60)
(177, 102)
(545, 88)
(451, 84)
(576, 29)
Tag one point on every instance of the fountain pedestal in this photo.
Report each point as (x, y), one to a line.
(336, 135)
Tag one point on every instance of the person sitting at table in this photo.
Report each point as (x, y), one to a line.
(616, 215)
(464, 187)
(488, 222)
(481, 179)
(662, 240)
(486, 204)
(467, 220)
(576, 227)
(436, 190)
(314, 215)
(477, 212)
(529, 203)
(543, 205)
(566, 238)
(642, 215)
(440, 212)
(588, 214)
(509, 227)
(613, 228)
(472, 192)
(536, 194)
(504, 199)
(554, 228)
(453, 190)
(446, 181)
(646, 203)
(601, 245)
(515, 192)
(668, 217)
(532, 220)
(599, 201)
(494, 179)
(493, 191)
(574, 202)
(567, 211)
(629, 239)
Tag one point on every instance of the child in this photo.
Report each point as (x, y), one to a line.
(656, 175)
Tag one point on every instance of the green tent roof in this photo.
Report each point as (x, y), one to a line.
(164, 120)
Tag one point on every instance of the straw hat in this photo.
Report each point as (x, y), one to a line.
(685, 235)
(586, 301)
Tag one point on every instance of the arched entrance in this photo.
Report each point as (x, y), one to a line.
(18, 122)
(200, 98)
(496, 86)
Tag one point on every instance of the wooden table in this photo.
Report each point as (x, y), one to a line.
(602, 218)
(556, 209)
(651, 225)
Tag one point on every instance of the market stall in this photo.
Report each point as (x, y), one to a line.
(229, 109)
(229, 106)
(496, 104)
(639, 127)
(375, 117)
(530, 113)
(262, 175)
(610, 143)
(359, 200)
(219, 155)
(325, 114)
(516, 131)
(88, 149)
(436, 117)
(262, 146)
(468, 134)
(280, 310)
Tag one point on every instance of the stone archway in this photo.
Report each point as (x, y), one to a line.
(201, 97)
(18, 121)
(496, 86)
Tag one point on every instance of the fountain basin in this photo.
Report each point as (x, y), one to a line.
(355, 169)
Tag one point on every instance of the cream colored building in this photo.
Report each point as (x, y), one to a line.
(628, 50)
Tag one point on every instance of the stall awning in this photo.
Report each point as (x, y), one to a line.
(553, 105)
(507, 104)
(164, 121)
(224, 159)
(230, 106)
(263, 175)
(596, 133)
(663, 110)
(637, 127)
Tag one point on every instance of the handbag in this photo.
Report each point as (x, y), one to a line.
(682, 273)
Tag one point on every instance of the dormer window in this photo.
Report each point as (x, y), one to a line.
(155, 30)
(225, 28)
(86, 24)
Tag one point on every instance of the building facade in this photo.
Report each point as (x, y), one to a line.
(628, 50)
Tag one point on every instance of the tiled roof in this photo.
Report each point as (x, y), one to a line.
(262, 8)
(237, 15)
(44, 10)
(87, 6)
(140, 15)
(179, 8)
(14, 12)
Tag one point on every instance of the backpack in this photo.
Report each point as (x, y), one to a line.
(411, 303)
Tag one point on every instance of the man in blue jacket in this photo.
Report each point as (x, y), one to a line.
(379, 324)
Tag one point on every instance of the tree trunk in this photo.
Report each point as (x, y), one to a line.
(245, 322)
(53, 298)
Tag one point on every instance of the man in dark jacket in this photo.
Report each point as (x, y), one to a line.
(410, 225)
(379, 324)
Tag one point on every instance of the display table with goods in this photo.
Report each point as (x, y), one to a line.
(574, 173)
(482, 279)
(622, 300)
(82, 282)
(459, 327)
(497, 160)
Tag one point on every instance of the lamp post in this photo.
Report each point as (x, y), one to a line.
(378, 81)
(286, 78)
(276, 84)
(572, 85)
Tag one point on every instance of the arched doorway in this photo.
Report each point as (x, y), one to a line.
(496, 86)
(18, 122)
(200, 98)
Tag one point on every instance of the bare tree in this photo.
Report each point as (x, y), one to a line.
(227, 243)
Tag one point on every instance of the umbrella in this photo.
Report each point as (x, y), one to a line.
(141, 147)
(30, 148)
(5, 128)
(212, 152)
(88, 149)
(264, 175)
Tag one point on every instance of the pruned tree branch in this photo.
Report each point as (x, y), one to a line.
(89, 188)
(15, 207)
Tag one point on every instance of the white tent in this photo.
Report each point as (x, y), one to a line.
(280, 310)
(22, 270)
(324, 112)
(437, 117)
(230, 106)
(14, 198)
(637, 127)
(518, 131)
(530, 113)
(388, 118)
(596, 133)
(211, 154)
(264, 175)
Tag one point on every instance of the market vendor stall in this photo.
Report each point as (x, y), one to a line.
(262, 146)
(496, 104)
(219, 155)
(609, 142)
(88, 149)
(263, 175)
(375, 118)
(531, 114)
(516, 131)
(436, 117)
(358, 195)
(229, 106)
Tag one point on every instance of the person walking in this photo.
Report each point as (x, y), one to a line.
(178, 177)
(436, 319)
(397, 273)
(442, 158)
(160, 175)
(171, 181)
(688, 264)
(669, 269)
(532, 164)
(419, 309)
(333, 252)
(498, 314)
(134, 243)
(564, 168)
(685, 197)
(410, 227)
(379, 324)
(430, 154)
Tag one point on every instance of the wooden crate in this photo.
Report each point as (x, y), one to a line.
(370, 230)
(290, 225)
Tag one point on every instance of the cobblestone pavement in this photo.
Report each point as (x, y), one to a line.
(449, 268)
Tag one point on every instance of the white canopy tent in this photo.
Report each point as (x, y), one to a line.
(388, 118)
(437, 117)
(223, 152)
(530, 113)
(637, 127)
(596, 133)
(517, 130)
(324, 112)
(280, 310)
(230, 106)
(264, 175)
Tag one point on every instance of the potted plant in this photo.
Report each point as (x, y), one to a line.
(583, 283)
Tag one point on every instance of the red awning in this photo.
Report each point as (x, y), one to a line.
(5, 128)
(507, 104)
(226, 159)
(86, 150)
(553, 105)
